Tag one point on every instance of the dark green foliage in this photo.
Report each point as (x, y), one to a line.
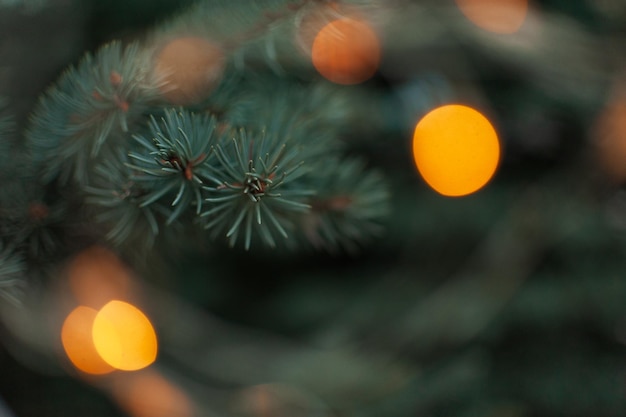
(349, 206)
(31, 219)
(175, 159)
(255, 185)
(117, 201)
(283, 133)
(315, 114)
(89, 111)
(504, 303)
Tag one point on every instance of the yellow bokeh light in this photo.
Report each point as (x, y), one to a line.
(497, 16)
(346, 51)
(149, 394)
(77, 341)
(456, 150)
(124, 337)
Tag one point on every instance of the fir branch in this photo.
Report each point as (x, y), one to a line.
(117, 201)
(175, 160)
(28, 218)
(306, 121)
(256, 190)
(232, 102)
(91, 106)
(313, 116)
(33, 222)
(348, 209)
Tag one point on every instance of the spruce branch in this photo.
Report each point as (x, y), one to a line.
(175, 160)
(349, 208)
(30, 218)
(312, 115)
(306, 121)
(33, 222)
(255, 188)
(92, 105)
(255, 185)
(117, 201)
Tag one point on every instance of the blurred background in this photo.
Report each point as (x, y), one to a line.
(505, 301)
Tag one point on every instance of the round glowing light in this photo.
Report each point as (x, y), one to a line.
(456, 150)
(124, 337)
(346, 51)
(189, 68)
(497, 16)
(78, 343)
(149, 394)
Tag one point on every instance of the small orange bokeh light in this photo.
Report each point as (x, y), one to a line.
(149, 394)
(78, 343)
(609, 134)
(124, 336)
(97, 276)
(346, 51)
(456, 150)
(497, 16)
(188, 68)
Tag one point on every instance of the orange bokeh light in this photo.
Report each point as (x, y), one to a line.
(346, 51)
(97, 276)
(78, 343)
(188, 69)
(609, 133)
(149, 394)
(497, 16)
(124, 337)
(456, 150)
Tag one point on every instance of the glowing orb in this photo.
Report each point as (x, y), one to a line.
(498, 16)
(456, 150)
(149, 394)
(78, 343)
(124, 337)
(346, 51)
(189, 69)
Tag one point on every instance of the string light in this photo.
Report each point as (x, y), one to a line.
(76, 337)
(346, 51)
(149, 394)
(124, 336)
(456, 150)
